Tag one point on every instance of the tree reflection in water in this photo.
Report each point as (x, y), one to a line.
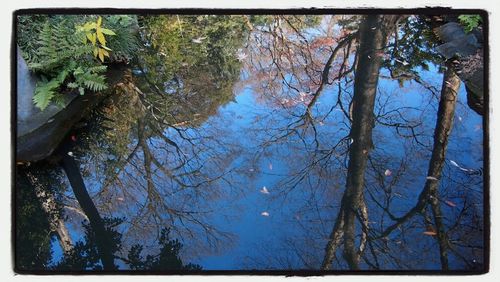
(373, 225)
(163, 161)
(341, 118)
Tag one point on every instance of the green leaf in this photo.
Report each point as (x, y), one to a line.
(78, 71)
(469, 22)
(81, 90)
(43, 95)
(62, 76)
(107, 31)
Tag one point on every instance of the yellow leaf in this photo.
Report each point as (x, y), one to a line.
(99, 21)
(96, 50)
(106, 53)
(89, 36)
(93, 40)
(101, 55)
(89, 26)
(430, 233)
(100, 36)
(107, 31)
(105, 47)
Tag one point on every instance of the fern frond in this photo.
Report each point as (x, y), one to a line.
(60, 51)
(97, 69)
(44, 92)
(91, 81)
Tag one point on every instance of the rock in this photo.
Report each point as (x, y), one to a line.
(467, 53)
(456, 42)
(25, 89)
(40, 132)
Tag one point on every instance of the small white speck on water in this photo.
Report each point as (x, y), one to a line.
(264, 190)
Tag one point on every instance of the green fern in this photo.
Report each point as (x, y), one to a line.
(90, 78)
(60, 51)
(44, 92)
(469, 22)
(92, 81)
(60, 54)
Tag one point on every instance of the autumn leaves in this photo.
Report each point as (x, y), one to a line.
(94, 33)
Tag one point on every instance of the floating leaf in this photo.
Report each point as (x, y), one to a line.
(264, 190)
(398, 195)
(387, 172)
(450, 203)
(459, 167)
(430, 233)
(431, 178)
(270, 166)
(404, 63)
(264, 213)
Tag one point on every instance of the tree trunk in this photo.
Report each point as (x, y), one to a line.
(373, 38)
(444, 125)
(103, 246)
